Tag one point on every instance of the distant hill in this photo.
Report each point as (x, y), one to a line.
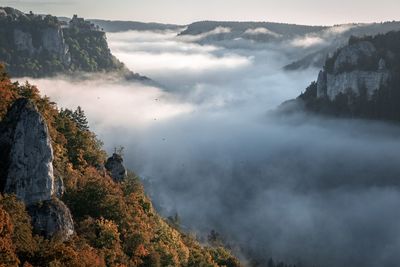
(336, 37)
(120, 26)
(307, 46)
(38, 46)
(360, 80)
(258, 31)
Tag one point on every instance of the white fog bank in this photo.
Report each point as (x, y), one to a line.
(319, 191)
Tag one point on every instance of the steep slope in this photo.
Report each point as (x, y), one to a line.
(115, 223)
(360, 80)
(37, 46)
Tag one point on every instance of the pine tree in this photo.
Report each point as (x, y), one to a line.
(80, 119)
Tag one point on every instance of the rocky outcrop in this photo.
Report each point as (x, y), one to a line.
(356, 81)
(27, 154)
(52, 218)
(51, 41)
(23, 41)
(115, 167)
(54, 42)
(350, 74)
(351, 56)
(26, 167)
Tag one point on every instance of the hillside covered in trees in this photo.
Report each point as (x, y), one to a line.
(360, 80)
(37, 46)
(115, 223)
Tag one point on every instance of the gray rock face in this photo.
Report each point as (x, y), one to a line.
(23, 41)
(355, 81)
(350, 56)
(116, 168)
(52, 41)
(28, 164)
(26, 169)
(52, 218)
(330, 84)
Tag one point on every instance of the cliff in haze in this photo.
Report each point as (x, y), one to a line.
(256, 31)
(63, 204)
(328, 40)
(37, 46)
(359, 80)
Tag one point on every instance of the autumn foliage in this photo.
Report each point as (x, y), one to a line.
(115, 223)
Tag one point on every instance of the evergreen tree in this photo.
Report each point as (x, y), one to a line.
(80, 119)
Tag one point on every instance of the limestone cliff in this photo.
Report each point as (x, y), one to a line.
(347, 73)
(27, 154)
(50, 40)
(37, 46)
(359, 80)
(26, 168)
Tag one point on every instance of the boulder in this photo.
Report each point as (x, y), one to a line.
(52, 218)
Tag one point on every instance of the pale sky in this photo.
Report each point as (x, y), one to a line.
(185, 11)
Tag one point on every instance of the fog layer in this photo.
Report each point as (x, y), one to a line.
(300, 189)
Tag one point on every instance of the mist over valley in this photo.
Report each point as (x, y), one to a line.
(210, 147)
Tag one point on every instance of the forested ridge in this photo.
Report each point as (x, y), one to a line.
(382, 104)
(39, 46)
